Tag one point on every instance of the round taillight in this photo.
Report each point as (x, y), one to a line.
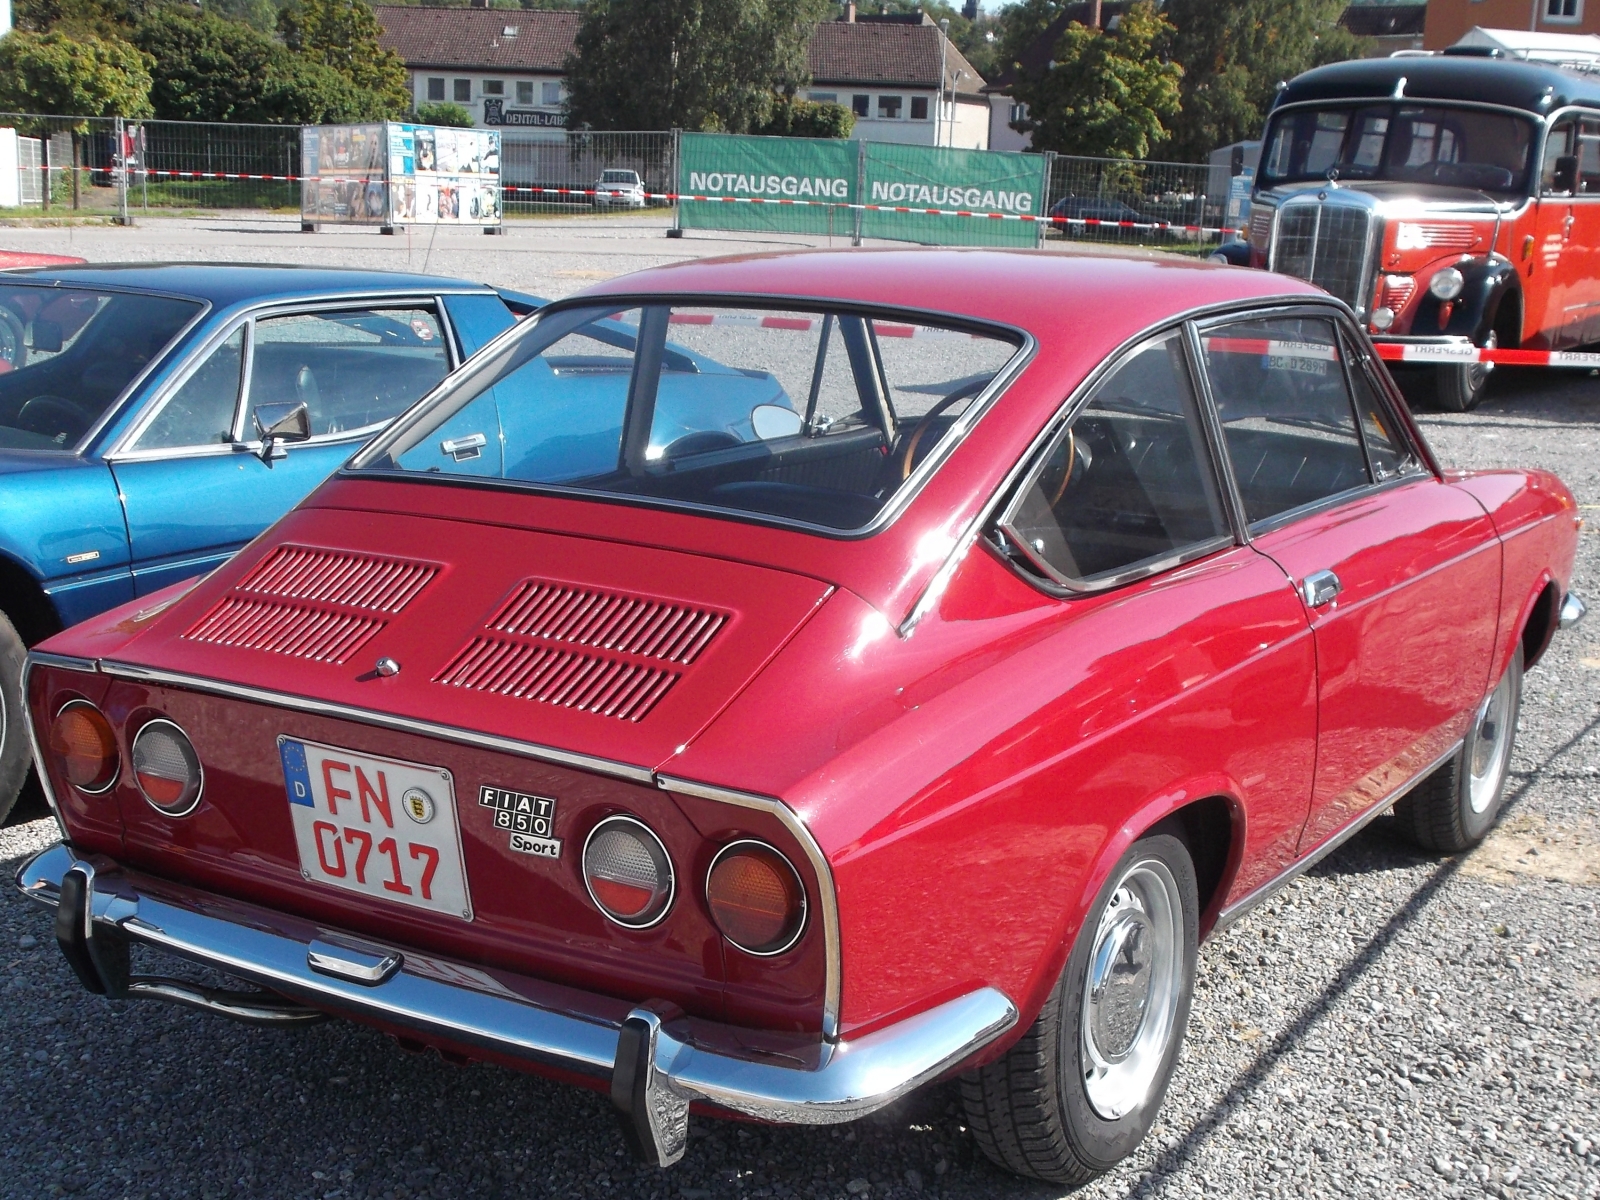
(166, 768)
(82, 741)
(756, 898)
(627, 872)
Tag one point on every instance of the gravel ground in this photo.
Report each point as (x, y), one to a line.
(1393, 1024)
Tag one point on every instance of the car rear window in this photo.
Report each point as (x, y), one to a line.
(820, 417)
(66, 354)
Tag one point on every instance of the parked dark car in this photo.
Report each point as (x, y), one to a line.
(1073, 213)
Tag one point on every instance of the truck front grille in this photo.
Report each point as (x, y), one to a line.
(1327, 245)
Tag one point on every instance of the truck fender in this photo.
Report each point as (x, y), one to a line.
(1474, 313)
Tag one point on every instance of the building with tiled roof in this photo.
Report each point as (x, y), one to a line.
(905, 81)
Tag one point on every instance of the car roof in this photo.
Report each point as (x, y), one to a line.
(1101, 300)
(1536, 88)
(226, 284)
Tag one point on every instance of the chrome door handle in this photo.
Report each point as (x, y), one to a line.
(1319, 588)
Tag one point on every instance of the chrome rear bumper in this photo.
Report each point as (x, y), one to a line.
(655, 1065)
(1572, 610)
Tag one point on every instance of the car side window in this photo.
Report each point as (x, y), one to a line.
(1287, 419)
(354, 369)
(200, 412)
(1388, 451)
(1129, 483)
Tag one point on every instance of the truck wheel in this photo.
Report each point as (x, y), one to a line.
(1454, 808)
(1079, 1092)
(1460, 387)
(15, 753)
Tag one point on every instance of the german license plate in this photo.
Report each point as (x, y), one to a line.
(378, 826)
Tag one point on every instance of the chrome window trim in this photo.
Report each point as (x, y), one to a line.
(1137, 570)
(1358, 360)
(378, 720)
(805, 906)
(820, 869)
(122, 450)
(64, 662)
(1025, 348)
(983, 518)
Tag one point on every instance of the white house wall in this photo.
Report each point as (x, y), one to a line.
(544, 104)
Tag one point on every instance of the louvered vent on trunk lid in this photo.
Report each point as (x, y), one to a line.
(601, 652)
(323, 605)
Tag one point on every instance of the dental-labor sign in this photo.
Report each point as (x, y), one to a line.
(818, 186)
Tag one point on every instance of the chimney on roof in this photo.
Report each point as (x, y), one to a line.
(850, 12)
(478, 4)
(1094, 14)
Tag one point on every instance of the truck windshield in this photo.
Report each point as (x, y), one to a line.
(1455, 147)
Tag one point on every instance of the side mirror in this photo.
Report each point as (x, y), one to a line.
(771, 421)
(280, 423)
(47, 334)
(1566, 175)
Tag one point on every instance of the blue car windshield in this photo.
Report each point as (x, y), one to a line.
(66, 354)
(818, 417)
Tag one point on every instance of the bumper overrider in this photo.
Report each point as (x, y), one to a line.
(656, 1064)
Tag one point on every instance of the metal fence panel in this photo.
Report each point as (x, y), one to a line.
(555, 172)
(1107, 199)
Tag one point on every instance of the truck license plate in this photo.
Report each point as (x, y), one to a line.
(378, 826)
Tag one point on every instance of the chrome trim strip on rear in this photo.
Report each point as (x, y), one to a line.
(819, 867)
(67, 662)
(37, 659)
(525, 1018)
(1294, 870)
(367, 716)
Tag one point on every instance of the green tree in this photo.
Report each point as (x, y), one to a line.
(687, 64)
(792, 117)
(444, 112)
(1235, 54)
(80, 75)
(1106, 93)
(210, 69)
(343, 34)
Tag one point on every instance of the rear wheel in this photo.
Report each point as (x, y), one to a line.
(1455, 807)
(1079, 1092)
(14, 751)
(1461, 387)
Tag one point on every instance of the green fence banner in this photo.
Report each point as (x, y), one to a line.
(767, 168)
(978, 181)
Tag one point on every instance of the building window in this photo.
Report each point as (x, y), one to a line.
(1563, 12)
(435, 89)
(919, 108)
(494, 87)
(463, 91)
(823, 97)
(552, 93)
(889, 108)
(861, 105)
(1019, 112)
(524, 91)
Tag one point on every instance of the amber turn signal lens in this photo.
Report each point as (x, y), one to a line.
(627, 872)
(82, 741)
(756, 898)
(166, 768)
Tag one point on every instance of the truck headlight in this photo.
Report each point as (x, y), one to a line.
(1446, 284)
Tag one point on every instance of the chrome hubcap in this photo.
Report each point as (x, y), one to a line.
(1479, 373)
(1491, 746)
(1131, 989)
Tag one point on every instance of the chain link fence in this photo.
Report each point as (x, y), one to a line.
(1137, 192)
(544, 174)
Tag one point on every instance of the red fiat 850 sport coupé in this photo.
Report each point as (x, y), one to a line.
(1028, 619)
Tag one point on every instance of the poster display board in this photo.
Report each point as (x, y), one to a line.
(768, 168)
(392, 174)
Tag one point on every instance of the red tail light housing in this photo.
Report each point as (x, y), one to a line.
(84, 747)
(628, 872)
(166, 768)
(756, 898)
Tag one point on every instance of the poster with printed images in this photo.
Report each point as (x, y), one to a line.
(399, 174)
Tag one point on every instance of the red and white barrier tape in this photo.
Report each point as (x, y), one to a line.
(1454, 352)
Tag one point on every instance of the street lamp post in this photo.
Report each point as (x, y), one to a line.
(944, 70)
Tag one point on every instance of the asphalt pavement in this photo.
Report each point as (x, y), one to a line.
(1392, 1024)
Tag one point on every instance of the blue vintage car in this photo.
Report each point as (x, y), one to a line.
(129, 405)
